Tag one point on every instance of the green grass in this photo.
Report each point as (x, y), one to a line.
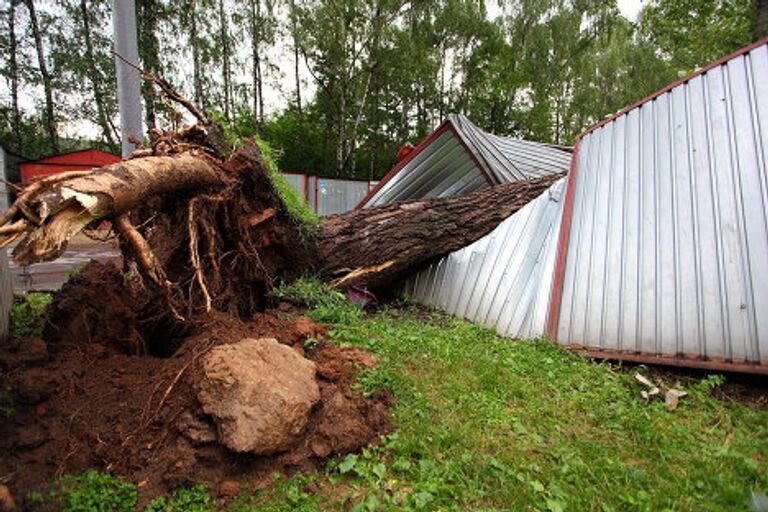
(27, 316)
(484, 423)
(325, 305)
(296, 207)
(88, 492)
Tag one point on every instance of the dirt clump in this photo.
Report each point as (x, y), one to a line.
(77, 313)
(26, 351)
(90, 405)
(7, 503)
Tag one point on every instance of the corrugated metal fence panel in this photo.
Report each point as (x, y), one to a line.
(510, 159)
(327, 196)
(668, 247)
(339, 196)
(298, 182)
(312, 192)
(443, 168)
(6, 279)
(502, 280)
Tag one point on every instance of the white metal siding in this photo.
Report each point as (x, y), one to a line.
(449, 164)
(668, 247)
(502, 280)
(297, 181)
(443, 168)
(339, 196)
(508, 159)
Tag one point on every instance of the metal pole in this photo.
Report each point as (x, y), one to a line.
(128, 79)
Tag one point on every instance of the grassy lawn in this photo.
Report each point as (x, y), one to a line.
(484, 423)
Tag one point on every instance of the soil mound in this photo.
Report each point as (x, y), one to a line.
(93, 403)
(77, 313)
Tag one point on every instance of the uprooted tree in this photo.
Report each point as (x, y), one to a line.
(210, 232)
(207, 229)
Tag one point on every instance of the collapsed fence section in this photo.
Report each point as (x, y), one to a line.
(502, 280)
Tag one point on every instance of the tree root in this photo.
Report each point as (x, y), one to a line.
(148, 264)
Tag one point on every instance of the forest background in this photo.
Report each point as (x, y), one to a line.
(337, 86)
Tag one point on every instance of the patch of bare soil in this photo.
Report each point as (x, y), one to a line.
(90, 398)
(749, 390)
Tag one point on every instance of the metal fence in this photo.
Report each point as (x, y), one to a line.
(328, 196)
(502, 280)
(667, 239)
(459, 158)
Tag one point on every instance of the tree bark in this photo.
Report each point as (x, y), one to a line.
(13, 71)
(50, 119)
(374, 247)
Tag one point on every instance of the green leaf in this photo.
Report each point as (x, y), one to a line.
(348, 464)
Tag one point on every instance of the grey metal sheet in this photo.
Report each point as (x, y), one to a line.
(312, 192)
(442, 168)
(327, 196)
(297, 181)
(502, 280)
(509, 159)
(455, 162)
(339, 196)
(668, 248)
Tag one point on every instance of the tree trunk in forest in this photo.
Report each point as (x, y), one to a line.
(148, 52)
(296, 73)
(197, 71)
(294, 34)
(214, 234)
(13, 71)
(761, 19)
(107, 128)
(50, 119)
(258, 83)
(226, 72)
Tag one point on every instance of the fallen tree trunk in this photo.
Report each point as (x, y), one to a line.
(377, 246)
(210, 232)
(60, 212)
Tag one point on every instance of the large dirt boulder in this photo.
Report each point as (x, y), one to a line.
(259, 393)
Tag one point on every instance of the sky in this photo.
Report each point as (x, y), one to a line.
(630, 8)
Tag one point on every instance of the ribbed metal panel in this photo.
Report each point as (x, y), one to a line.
(339, 196)
(298, 182)
(502, 280)
(509, 159)
(441, 169)
(312, 195)
(668, 246)
(458, 160)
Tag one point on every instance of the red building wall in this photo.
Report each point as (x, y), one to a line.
(75, 161)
